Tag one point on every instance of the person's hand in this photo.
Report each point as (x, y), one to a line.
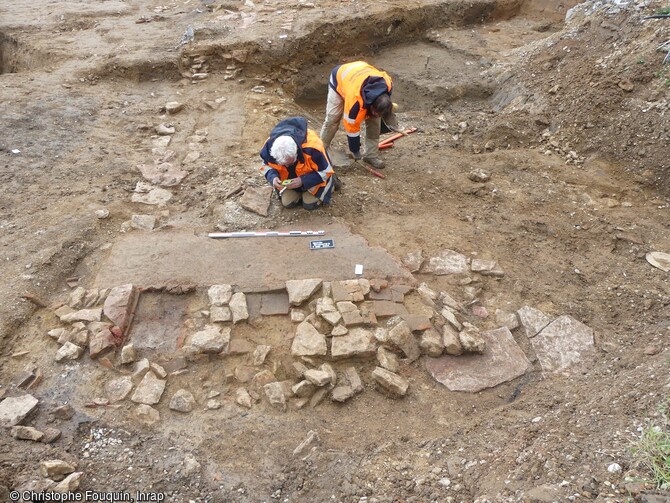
(357, 155)
(276, 183)
(294, 183)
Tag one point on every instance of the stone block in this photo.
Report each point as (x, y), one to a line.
(219, 295)
(391, 382)
(308, 341)
(120, 304)
(301, 290)
(532, 320)
(563, 344)
(358, 343)
(149, 391)
(257, 199)
(501, 361)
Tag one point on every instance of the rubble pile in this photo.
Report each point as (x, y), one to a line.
(360, 321)
(345, 334)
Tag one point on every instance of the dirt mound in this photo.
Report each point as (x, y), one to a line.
(603, 84)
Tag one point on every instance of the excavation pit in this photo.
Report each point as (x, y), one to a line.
(16, 57)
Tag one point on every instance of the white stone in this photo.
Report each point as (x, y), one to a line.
(308, 341)
(172, 107)
(55, 469)
(243, 398)
(339, 330)
(451, 342)
(182, 401)
(354, 379)
(562, 344)
(147, 415)
(274, 392)
(220, 314)
(211, 339)
(447, 262)
(238, 307)
(165, 129)
(431, 342)
(69, 483)
(118, 389)
(427, 293)
(128, 354)
(328, 368)
(155, 196)
(219, 295)
(213, 404)
(390, 381)
(358, 343)
(532, 320)
(94, 314)
(150, 390)
(471, 339)
(26, 433)
(303, 389)
(614, 468)
(298, 315)
(301, 290)
(191, 157)
(413, 260)
(451, 318)
(260, 353)
(68, 351)
(402, 337)
(506, 319)
(77, 297)
(387, 359)
(57, 333)
(312, 437)
(448, 301)
(317, 377)
(143, 222)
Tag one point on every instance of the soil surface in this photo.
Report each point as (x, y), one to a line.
(565, 108)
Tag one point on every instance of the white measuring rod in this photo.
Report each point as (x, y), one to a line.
(222, 235)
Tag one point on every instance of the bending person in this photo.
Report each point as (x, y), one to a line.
(297, 166)
(359, 92)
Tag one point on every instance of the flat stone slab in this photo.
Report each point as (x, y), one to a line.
(274, 303)
(13, 410)
(257, 199)
(339, 158)
(158, 322)
(502, 361)
(447, 262)
(532, 320)
(250, 264)
(164, 174)
(562, 344)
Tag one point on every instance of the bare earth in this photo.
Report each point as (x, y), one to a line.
(570, 118)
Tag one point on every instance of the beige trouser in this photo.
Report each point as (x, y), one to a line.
(334, 112)
(291, 198)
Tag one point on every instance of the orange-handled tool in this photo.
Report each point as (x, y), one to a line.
(389, 141)
(370, 169)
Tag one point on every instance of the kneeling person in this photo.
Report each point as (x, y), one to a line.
(297, 165)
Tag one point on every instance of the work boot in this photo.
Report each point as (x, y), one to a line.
(375, 162)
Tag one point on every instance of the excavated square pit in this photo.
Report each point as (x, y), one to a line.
(16, 57)
(159, 322)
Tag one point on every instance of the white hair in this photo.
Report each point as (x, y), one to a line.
(284, 150)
